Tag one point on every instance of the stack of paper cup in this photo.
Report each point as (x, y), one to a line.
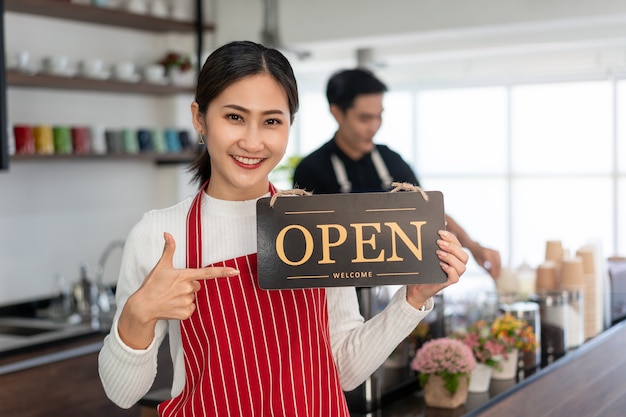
(573, 281)
(554, 251)
(593, 314)
(572, 274)
(547, 279)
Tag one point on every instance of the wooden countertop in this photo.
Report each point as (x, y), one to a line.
(588, 382)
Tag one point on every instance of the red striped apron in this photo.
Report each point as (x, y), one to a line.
(250, 352)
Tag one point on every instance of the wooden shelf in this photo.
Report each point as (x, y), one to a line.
(99, 15)
(42, 80)
(158, 158)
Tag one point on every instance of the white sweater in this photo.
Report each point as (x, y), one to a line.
(229, 231)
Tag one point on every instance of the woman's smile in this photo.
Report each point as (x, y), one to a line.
(247, 162)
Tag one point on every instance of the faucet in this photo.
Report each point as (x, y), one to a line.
(105, 304)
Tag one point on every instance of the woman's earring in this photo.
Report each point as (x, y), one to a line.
(201, 139)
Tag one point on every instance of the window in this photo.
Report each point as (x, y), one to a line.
(562, 128)
(518, 165)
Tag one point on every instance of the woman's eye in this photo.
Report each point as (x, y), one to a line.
(233, 117)
(273, 122)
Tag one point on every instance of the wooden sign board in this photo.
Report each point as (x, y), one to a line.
(360, 239)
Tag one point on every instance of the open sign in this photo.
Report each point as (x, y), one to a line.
(363, 239)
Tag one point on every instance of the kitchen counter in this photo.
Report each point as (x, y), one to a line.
(56, 378)
(588, 382)
(18, 334)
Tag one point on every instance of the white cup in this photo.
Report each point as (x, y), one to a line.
(98, 139)
(18, 60)
(91, 67)
(56, 64)
(159, 8)
(124, 70)
(154, 73)
(137, 6)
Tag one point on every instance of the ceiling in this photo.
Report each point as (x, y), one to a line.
(442, 40)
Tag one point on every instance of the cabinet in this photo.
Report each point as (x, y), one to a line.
(105, 17)
(64, 381)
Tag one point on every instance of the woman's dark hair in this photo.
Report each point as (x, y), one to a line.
(345, 85)
(233, 62)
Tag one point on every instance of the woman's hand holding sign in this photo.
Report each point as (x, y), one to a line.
(453, 261)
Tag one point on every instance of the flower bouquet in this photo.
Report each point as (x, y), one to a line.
(444, 366)
(513, 334)
(486, 348)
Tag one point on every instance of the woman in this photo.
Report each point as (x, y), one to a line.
(239, 350)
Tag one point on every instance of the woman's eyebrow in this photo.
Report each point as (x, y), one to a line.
(244, 110)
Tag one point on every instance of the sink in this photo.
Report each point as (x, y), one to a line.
(19, 326)
(17, 330)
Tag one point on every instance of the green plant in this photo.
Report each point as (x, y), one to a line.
(176, 60)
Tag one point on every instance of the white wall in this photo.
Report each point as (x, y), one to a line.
(55, 215)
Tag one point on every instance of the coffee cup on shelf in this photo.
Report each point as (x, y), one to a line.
(130, 142)
(98, 139)
(24, 139)
(44, 141)
(81, 140)
(154, 73)
(56, 64)
(98, 3)
(158, 141)
(91, 68)
(144, 137)
(172, 139)
(114, 141)
(185, 140)
(19, 61)
(136, 6)
(62, 139)
(124, 70)
(159, 8)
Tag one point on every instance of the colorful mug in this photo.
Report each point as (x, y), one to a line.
(62, 137)
(24, 139)
(44, 141)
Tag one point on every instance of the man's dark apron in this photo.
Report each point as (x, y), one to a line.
(342, 176)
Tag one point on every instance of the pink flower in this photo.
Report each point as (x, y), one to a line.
(487, 349)
(451, 359)
(444, 355)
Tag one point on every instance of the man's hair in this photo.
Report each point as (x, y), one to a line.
(344, 86)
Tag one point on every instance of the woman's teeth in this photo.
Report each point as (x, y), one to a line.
(247, 161)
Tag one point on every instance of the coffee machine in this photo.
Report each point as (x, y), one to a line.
(394, 378)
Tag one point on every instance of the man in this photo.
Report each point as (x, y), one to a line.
(352, 162)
